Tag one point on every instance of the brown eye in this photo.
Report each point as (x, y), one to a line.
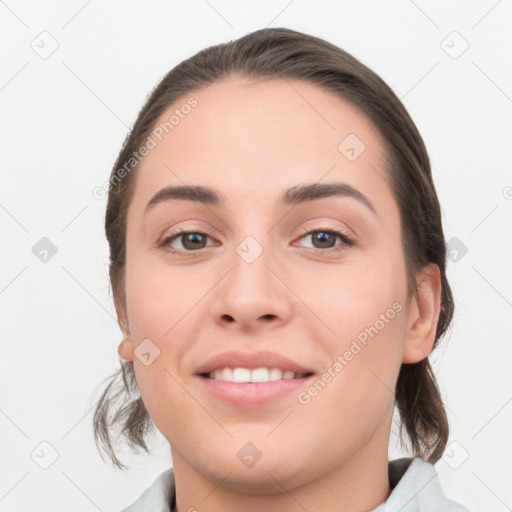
(189, 241)
(326, 239)
(193, 240)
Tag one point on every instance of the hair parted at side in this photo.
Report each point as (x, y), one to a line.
(281, 53)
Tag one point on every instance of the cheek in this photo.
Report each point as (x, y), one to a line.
(161, 306)
(354, 393)
(362, 308)
(159, 300)
(351, 296)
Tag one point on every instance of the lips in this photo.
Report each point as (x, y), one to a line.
(250, 361)
(252, 379)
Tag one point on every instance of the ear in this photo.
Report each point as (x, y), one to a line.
(423, 314)
(125, 349)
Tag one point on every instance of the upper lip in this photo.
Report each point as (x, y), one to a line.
(250, 360)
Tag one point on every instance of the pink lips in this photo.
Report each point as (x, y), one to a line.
(250, 360)
(252, 394)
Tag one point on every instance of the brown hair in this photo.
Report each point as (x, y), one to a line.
(276, 53)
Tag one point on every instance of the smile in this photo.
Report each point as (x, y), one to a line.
(246, 375)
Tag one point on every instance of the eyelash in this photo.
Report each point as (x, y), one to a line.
(346, 241)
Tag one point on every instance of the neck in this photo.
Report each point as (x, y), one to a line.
(359, 484)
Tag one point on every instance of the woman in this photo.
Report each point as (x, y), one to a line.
(278, 271)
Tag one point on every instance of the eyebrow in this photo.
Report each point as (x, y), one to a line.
(291, 196)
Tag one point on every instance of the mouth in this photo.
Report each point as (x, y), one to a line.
(257, 375)
(252, 379)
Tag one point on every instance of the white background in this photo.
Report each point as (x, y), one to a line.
(63, 120)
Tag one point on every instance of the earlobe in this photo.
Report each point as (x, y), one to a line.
(423, 314)
(125, 349)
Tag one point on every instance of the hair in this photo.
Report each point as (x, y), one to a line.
(281, 53)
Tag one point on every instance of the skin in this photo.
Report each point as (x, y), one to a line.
(251, 140)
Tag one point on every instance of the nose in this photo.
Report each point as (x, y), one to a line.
(255, 293)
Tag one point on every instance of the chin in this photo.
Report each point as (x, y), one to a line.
(265, 477)
(254, 467)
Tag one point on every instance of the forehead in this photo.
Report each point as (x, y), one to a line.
(260, 136)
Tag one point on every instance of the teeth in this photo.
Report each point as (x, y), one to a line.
(241, 375)
(257, 375)
(275, 374)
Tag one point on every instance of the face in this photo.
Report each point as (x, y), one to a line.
(311, 287)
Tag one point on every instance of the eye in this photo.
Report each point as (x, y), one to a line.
(190, 241)
(325, 239)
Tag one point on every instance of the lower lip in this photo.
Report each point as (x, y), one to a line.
(253, 393)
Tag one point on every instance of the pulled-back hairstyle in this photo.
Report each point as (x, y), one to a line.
(280, 53)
